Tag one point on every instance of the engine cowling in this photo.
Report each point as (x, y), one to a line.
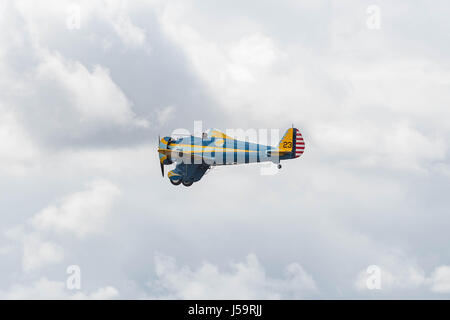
(164, 157)
(174, 176)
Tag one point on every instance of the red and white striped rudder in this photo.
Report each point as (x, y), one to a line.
(299, 143)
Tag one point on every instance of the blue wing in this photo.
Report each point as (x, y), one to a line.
(188, 172)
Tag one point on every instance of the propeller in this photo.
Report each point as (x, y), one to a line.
(162, 165)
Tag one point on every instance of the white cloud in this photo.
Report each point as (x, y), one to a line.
(163, 115)
(38, 253)
(378, 107)
(105, 293)
(397, 273)
(408, 277)
(129, 33)
(440, 280)
(80, 213)
(245, 280)
(38, 82)
(43, 18)
(44, 288)
(250, 57)
(17, 149)
(118, 15)
(238, 66)
(106, 161)
(379, 114)
(39, 289)
(94, 94)
(398, 146)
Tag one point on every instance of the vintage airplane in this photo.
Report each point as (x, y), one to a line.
(195, 155)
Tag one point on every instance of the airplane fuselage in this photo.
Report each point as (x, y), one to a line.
(195, 155)
(219, 151)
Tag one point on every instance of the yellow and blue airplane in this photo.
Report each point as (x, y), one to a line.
(195, 155)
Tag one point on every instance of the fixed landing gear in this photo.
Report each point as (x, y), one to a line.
(279, 166)
(175, 182)
(179, 181)
(187, 183)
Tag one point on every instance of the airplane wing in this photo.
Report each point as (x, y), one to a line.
(189, 173)
(219, 134)
(187, 156)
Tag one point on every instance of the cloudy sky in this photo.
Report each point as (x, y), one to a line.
(86, 87)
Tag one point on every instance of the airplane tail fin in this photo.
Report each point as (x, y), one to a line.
(292, 143)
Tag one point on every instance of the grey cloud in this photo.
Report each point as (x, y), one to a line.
(370, 188)
(151, 77)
